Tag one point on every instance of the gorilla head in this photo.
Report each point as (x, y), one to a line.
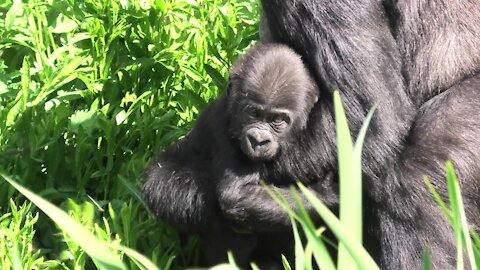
(270, 95)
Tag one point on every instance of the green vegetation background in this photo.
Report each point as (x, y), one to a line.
(90, 92)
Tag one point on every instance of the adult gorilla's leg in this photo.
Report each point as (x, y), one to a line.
(407, 217)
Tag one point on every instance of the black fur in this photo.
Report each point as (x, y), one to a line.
(199, 183)
(418, 61)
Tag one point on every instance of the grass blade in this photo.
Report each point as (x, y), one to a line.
(355, 249)
(320, 251)
(133, 254)
(460, 221)
(350, 185)
(315, 246)
(427, 260)
(98, 250)
(286, 265)
(299, 252)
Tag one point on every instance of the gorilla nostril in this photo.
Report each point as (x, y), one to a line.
(252, 140)
(264, 142)
(257, 142)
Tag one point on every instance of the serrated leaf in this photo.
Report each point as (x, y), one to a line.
(80, 117)
(15, 10)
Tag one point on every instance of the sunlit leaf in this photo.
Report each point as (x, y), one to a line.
(63, 24)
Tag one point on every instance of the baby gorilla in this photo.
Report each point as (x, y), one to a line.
(269, 96)
(199, 182)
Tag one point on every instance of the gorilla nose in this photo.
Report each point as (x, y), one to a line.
(256, 140)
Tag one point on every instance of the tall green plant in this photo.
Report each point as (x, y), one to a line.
(16, 239)
(347, 228)
(456, 216)
(91, 90)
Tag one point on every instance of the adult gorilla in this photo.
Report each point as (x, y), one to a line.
(418, 61)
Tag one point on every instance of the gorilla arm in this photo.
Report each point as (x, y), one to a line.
(248, 205)
(245, 202)
(179, 183)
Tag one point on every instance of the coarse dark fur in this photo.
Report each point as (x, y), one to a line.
(418, 61)
(198, 183)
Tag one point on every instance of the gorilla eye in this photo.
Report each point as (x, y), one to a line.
(279, 119)
(253, 112)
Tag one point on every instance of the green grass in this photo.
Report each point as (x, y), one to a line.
(90, 91)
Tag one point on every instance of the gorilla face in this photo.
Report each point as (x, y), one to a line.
(263, 129)
(270, 96)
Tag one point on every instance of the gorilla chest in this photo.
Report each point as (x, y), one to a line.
(283, 172)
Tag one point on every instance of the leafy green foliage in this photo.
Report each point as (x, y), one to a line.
(97, 249)
(90, 91)
(16, 237)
